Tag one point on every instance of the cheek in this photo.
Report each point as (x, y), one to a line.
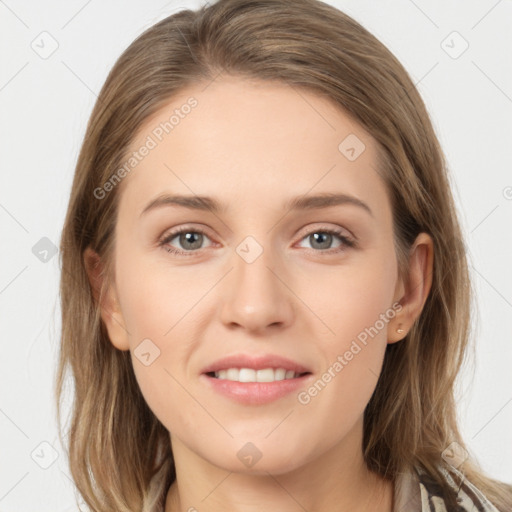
(157, 307)
(357, 308)
(353, 298)
(156, 298)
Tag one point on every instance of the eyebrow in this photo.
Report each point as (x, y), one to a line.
(305, 202)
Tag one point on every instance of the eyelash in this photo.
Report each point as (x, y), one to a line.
(348, 243)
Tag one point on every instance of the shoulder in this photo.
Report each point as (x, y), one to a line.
(469, 497)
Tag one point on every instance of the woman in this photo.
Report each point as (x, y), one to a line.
(248, 371)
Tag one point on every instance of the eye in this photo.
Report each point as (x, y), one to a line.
(189, 238)
(323, 238)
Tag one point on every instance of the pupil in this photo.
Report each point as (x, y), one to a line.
(189, 238)
(322, 237)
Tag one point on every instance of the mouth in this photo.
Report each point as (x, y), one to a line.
(255, 380)
(256, 375)
(250, 379)
(242, 387)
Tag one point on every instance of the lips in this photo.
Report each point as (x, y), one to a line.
(255, 362)
(237, 378)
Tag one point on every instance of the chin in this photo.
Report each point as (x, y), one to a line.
(258, 457)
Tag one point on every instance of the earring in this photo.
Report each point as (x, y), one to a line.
(399, 330)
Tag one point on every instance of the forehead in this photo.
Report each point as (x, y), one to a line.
(251, 142)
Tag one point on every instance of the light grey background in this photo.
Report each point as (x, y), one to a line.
(45, 105)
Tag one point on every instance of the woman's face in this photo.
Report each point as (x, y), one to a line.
(255, 278)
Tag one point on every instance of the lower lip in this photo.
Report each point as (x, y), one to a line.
(255, 393)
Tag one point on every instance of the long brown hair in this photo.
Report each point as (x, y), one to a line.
(411, 418)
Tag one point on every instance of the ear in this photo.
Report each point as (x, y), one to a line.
(413, 294)
(108, 303)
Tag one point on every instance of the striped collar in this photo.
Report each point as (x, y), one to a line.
(416, 491)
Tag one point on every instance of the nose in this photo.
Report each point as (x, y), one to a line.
(257, 296)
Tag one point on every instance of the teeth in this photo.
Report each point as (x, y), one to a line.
(250, 375)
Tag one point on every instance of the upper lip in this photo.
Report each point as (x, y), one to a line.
(256, 362)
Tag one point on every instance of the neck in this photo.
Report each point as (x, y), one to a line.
(336, 480)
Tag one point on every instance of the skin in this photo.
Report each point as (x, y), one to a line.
(252, 145)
